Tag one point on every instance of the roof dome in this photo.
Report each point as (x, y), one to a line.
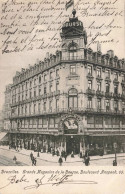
(73, 28)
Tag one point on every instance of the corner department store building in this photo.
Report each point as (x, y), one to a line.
(72, 100)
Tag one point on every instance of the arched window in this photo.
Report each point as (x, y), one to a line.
(73, 98)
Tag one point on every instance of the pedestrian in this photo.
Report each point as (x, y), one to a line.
(34, 161)
(114, 163)
(31, 156)
(72, 155)
(60, 161)
(53, 152)
(65, 156)
(87, 159)
(14, 159)
(57, 152)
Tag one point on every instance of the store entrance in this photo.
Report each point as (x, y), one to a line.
(73, 144)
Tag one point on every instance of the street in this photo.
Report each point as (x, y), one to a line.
(46, 159)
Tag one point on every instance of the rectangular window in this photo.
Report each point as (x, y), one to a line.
(39, 106)
(116, 105)
(44, 106)
(90, 120)
(99, 103)
(44, 121)
(51, 122)
(57, 103)
(30, 93)
(99, 86)
(29, 108)
(89, 70)
(26, 85)
(115, 75)
(51, 75)
(34, 81)
(107, 105)
(25, 109)
(57, 120)
(40, 123)
(107, 87)
(107, 74)
(115, 89)
(45, 77)
(26, 95)
(123, 77)
(51, 88)
(99, 120)
(89, 84)
(39, 90)
(34, 92)
(23, 96)
(39, 79)
(89, 103)
(108, 121)
(116, 121)
(72, 69)
(30, 123)
(44, 89)
(123, 90)
(57, 86)
(98, 72)
(50, 105)
(30, 83)
(22, 110)
(34, 108)
(57, 72)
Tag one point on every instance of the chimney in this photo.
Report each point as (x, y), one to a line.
(47, 55)
(110, 53)
(98, 47)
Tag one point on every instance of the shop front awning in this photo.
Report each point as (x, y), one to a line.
(3, 137)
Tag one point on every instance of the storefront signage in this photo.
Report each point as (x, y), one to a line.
(71, 124)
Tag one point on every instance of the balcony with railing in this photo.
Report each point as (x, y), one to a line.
(108, 94)
(116, 95)
(77, 110)
(99, 93)
(90, 92)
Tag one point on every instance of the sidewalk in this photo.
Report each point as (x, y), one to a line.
(47, 157)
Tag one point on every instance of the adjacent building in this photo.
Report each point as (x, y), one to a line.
(73, 100)
(7, 107)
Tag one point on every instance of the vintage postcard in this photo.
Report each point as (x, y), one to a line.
(62, 96)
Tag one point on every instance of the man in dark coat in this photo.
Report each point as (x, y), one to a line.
(60, 161)
(31, 156)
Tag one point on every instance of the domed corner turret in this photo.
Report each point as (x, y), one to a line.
(73, 29)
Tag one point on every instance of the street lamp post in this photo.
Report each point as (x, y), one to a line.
(115, 161)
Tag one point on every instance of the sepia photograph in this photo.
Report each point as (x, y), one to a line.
(62, 81)
(62, 96)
